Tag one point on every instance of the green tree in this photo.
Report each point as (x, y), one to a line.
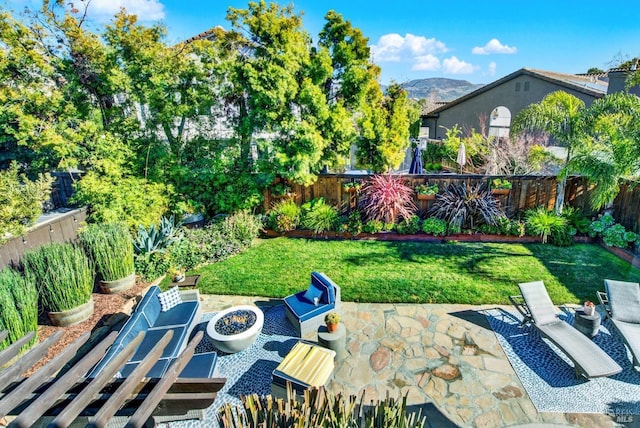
(561, 116)
(611, 150)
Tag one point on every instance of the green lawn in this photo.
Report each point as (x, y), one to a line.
(376, 271)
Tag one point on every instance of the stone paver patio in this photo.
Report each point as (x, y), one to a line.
(445, 358)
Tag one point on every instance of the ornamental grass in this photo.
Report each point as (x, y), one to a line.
(18, 306)
(63, 274)
(110, 248)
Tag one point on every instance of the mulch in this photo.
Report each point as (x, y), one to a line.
(105, 307)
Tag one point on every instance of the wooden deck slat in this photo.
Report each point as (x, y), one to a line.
(17, 395)
(14, 372)
(92, 391)
(36, 409)
(144, 412)
(14, 349)
(109, 409)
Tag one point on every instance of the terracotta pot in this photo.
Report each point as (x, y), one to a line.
(425, 197)
(332, 328)
(500, 191)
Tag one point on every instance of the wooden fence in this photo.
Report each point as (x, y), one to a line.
(527, 191)
(56, 226)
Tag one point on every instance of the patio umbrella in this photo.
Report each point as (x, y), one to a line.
(416, 162)
(462, 156)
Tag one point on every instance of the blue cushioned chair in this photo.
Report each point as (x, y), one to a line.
(306, 313)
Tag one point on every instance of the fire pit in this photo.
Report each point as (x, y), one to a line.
(236, 328)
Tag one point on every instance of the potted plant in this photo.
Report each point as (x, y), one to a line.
(500, 186)
(351, 186)
(426, 192)
(64, 277)
(589, 308)
(110, 248)
(177, 274)
(331, 320)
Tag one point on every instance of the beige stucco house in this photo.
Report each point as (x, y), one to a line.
(497, 103)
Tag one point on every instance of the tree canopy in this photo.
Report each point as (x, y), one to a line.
(211, 120)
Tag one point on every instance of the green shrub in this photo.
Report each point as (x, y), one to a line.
(110, 248)
(151, 265)
(20, 201)
(241, 226)
(576, 219)
(544, 223)
(373, 226)
(466, 207)
(613, 234)
(319, 217)
(409, 227)
(319, 408)
(386, 198)
(63, 274)
(434, 226)
(353, 223)
(132, 200)
(18, 306)
(284, 216)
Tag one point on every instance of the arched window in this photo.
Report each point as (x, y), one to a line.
(499, 122)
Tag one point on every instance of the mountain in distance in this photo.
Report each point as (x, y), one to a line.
(439, 88)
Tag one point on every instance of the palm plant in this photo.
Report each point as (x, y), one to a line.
(386, 198)
(611, 152)
(561, 116)
(467, 206)
(110, 248)
(63, 274)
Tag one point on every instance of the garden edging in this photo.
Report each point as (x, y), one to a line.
(420, 237)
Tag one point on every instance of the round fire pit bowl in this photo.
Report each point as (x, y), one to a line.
(236, 328)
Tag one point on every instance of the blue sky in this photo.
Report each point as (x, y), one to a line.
(478, 41)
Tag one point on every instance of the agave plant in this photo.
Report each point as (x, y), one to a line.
(157, 239)
(386, 198)
(467, 206)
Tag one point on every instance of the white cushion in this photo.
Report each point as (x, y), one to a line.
(169, 299)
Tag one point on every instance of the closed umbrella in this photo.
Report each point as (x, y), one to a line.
(462, 156)
(416, 162)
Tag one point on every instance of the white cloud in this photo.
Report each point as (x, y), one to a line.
(394, 48)
(494, 46)
(426, 63)
(454, 66)
(146, 10)
(492, 68)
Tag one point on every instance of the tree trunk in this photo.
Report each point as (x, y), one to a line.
(562, 184)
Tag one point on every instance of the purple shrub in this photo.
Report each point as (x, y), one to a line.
(386, 198)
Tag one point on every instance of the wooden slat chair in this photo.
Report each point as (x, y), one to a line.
(306, 366)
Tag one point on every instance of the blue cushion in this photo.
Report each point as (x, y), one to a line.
(302, 309)
(182, 314)
(157, 371)
(312, 293)
(153, 336)
(201, 365)
(321, 281)
(149, 306)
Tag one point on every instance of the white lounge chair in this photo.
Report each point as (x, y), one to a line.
(624, 307)
(588, 358)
